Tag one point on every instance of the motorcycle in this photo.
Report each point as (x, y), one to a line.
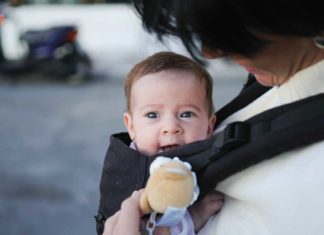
(53, 53)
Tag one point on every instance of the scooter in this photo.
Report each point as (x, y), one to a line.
(51, 53)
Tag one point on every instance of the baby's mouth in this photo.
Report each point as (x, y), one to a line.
(168, 147)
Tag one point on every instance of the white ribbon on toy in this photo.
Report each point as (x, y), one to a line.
(172, 216)
(184, 227)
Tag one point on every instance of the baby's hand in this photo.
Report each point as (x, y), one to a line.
(202, 210)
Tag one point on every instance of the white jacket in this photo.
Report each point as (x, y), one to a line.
(284, 195)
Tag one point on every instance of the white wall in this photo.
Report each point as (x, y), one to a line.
(110, 33)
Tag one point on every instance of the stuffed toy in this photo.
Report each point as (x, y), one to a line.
(171, 184)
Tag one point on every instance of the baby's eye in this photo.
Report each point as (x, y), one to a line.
(186, 114)
(151, 115)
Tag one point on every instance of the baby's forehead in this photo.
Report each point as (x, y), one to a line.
(168, 80)
(175, 75)
(172, 83)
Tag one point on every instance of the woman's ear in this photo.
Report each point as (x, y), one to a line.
(211, 124)
(128, 121)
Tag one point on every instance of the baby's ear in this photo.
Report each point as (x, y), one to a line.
(211, 124)
(128, 121)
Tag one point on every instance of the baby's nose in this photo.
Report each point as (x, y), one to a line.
(171, 127)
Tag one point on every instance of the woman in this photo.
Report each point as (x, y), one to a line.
(127, 220)
(281, 44)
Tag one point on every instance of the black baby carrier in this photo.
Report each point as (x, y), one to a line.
(238, 146)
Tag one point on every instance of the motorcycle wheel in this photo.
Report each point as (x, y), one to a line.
(82, 71)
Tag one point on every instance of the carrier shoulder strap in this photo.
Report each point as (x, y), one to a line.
(243, 144)
(250, 92)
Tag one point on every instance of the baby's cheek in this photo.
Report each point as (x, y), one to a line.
(199, 135)
(147, 148)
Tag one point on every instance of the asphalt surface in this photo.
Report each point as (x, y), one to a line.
(53, 138)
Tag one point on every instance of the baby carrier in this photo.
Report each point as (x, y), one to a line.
(238, 146)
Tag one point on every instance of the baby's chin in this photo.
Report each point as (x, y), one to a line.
(162, 149)
(168, 148)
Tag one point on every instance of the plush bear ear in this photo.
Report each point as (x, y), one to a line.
(144, 204)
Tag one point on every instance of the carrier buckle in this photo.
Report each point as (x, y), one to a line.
(99, 218)
(235, 134)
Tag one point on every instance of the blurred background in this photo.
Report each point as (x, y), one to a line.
(62, 65)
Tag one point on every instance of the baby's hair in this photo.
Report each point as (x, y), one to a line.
(163, 61)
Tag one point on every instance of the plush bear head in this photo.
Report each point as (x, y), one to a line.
(171, 184)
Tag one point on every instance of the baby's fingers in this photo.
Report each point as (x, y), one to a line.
(213, 196)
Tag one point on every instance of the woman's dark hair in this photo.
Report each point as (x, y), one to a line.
(230, 25)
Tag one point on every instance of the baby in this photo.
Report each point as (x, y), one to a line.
(169, 104)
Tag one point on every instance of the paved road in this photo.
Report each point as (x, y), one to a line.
(53, 140)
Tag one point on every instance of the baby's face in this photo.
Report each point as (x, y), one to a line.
(168, 109)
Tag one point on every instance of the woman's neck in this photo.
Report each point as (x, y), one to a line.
(313, 56)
